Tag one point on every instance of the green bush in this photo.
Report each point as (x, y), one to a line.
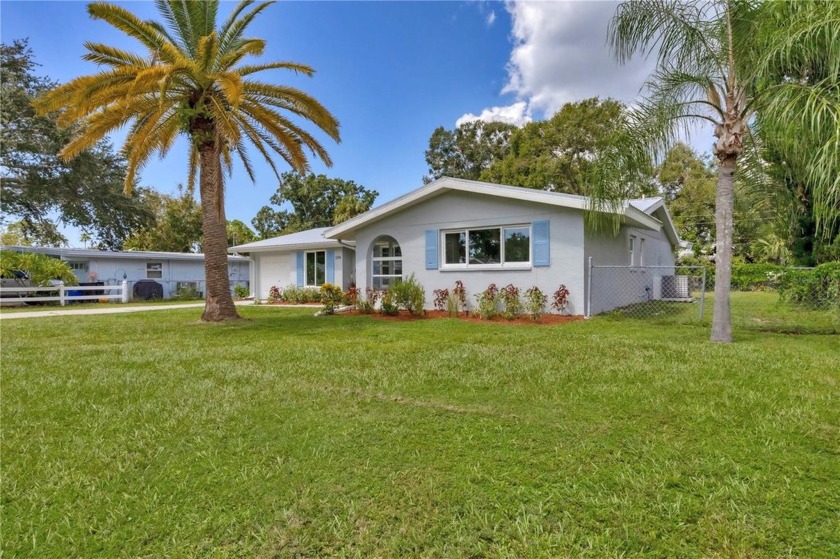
(535, 301)
(331, 296)
(241, 291)
(300, 295)
(816, 287)
(488, 302)
(409, 294)
(186, 293)
(40, 268)
(389, 304)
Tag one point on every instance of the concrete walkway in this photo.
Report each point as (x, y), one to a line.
(110, 310)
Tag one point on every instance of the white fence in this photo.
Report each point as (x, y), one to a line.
(65, 293)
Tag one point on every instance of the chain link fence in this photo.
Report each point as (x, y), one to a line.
(647, 291)
(762, 298)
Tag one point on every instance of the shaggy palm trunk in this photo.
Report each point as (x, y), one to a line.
(218, 304)
(724, 204)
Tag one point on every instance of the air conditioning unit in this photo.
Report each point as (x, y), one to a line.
(672, 288)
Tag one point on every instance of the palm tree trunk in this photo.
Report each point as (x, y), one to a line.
(724, 204)
(218, 305)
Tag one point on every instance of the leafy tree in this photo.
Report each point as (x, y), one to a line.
(238, 233)
(37, 184)
(557, 154)
(689, 186)
(468, 150)
(176, 226)
(711, 60)
(316, 201)
(39, 268)
(40, 233)
(191, 80)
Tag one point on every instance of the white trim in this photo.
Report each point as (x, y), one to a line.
(631, 215)
(502, 265)
(305, 268)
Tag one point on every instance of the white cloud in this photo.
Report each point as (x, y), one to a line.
(491, 18)
(517, 114)
(560, 54)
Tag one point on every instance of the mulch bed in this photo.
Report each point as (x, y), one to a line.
(404, 316)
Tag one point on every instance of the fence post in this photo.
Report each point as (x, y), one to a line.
(702, 293)
(61, 293)
(588, 306)
(124, 298)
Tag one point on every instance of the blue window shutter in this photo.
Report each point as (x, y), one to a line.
(540, 232)
(300, 277)
(331, 265)
(431, 249)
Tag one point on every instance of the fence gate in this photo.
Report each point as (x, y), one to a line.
(646, 291)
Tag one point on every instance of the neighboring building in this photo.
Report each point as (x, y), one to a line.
(478, 233)
(169, 269)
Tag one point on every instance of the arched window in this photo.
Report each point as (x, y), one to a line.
(386, 263)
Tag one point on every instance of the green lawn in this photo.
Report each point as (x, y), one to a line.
(152, 435)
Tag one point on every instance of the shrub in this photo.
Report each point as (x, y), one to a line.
(511, 302)
(389, 304)
(453, 305)
(409, 294)
(274, 294)
(535, 301)
(460, 295)
(441, 299)
(241, 291)
(561, 298)
(330, 297)
(351, 296)
(185, 293)
(488, 301)
(40, 269)
(817, 287)
(300, 295)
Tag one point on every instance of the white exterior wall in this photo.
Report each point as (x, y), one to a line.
(452, 210)
(280, 269)
(612, 287)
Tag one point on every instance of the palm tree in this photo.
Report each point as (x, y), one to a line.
(192, 81)
(708, 70)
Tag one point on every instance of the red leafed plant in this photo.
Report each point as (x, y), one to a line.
(561, 298)
(441, 296)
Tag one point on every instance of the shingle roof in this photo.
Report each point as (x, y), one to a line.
(311, 238)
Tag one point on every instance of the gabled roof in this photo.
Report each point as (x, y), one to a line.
(656, 207)
(631, 214)
(87, 253)
(309, 239)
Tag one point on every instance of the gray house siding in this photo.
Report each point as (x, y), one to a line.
(454, 210)
(613, 288)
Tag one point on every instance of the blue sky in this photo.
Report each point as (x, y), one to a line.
(390, 71)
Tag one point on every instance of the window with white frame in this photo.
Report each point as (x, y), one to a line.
(632, 248)
(642, 251)
(154, 270)
(316, 268)
(487, 247)
(386, 263)
(78, 266)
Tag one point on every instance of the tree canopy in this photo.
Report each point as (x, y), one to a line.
(39, 188)
(315, 200)
(468, 150)
(176, 226)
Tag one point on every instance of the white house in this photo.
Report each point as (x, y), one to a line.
(169, 269)
(474, 232)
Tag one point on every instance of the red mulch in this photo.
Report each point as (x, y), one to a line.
(545, 320)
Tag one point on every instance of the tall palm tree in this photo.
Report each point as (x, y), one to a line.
(192, 80)
(708, 69)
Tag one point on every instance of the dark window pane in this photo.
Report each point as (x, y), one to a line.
(310, 268)
(485, 246)
(455, 247)
(518, 245)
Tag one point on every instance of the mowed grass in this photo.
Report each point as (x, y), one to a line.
(285, 435)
